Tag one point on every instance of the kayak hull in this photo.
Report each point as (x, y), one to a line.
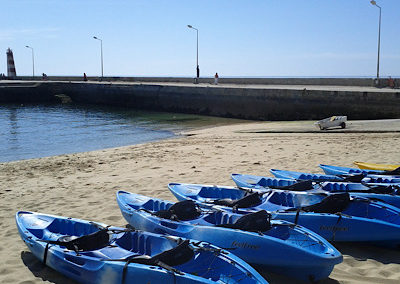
(100, 265)
(379, 167)
(354, 224)
(267, 250)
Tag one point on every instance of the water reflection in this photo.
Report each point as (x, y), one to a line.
(13, 125)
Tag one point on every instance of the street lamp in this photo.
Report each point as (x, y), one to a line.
(101, 50)
(33, 61)
(197, 53)
(379, 39)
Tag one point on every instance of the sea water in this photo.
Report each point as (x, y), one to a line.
(34, 131)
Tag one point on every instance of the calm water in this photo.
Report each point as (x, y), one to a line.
(38, 131)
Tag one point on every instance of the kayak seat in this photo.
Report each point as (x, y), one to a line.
(182, 210)
(298, 186)
(282, 198)
(155, 205)
(166, 259)
(353, 177)
(219, 217)
(247, 201)
(178, 255)
(332, 204)
(93, 241)
(259, 221)
(210, 192)
(378, 189)
(272, 183)
(306, 177)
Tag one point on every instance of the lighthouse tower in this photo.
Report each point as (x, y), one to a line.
(11, 73)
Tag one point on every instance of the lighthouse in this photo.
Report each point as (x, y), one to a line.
(11, 73)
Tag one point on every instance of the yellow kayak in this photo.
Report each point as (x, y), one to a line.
(380, 167)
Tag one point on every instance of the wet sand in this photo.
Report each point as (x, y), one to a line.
(83, 185)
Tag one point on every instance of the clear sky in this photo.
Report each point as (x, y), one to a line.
(236, 38)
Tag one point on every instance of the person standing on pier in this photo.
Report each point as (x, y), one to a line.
(216, 79)
(391, 82)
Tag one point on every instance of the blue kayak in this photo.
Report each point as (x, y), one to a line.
(336, 217)
(91, 252)
(358, 177)
(389, 193)
(277, 246)
(335, 170)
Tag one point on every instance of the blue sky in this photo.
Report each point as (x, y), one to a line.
(236, 38)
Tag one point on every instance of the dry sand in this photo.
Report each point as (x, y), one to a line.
(83, 185)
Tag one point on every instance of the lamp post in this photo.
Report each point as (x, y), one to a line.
(379, 39)
(197, 53)
(101, 51)
(33, 61)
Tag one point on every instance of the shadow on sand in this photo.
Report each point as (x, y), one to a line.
(363, 252)
(44, 272)
(274, 278)
(47, 274)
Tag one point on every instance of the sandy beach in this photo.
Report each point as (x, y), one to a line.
(83, 185)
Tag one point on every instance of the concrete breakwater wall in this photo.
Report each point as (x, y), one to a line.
(366, 82)
(224, 101)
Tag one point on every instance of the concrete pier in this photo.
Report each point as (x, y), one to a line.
(247, 101)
